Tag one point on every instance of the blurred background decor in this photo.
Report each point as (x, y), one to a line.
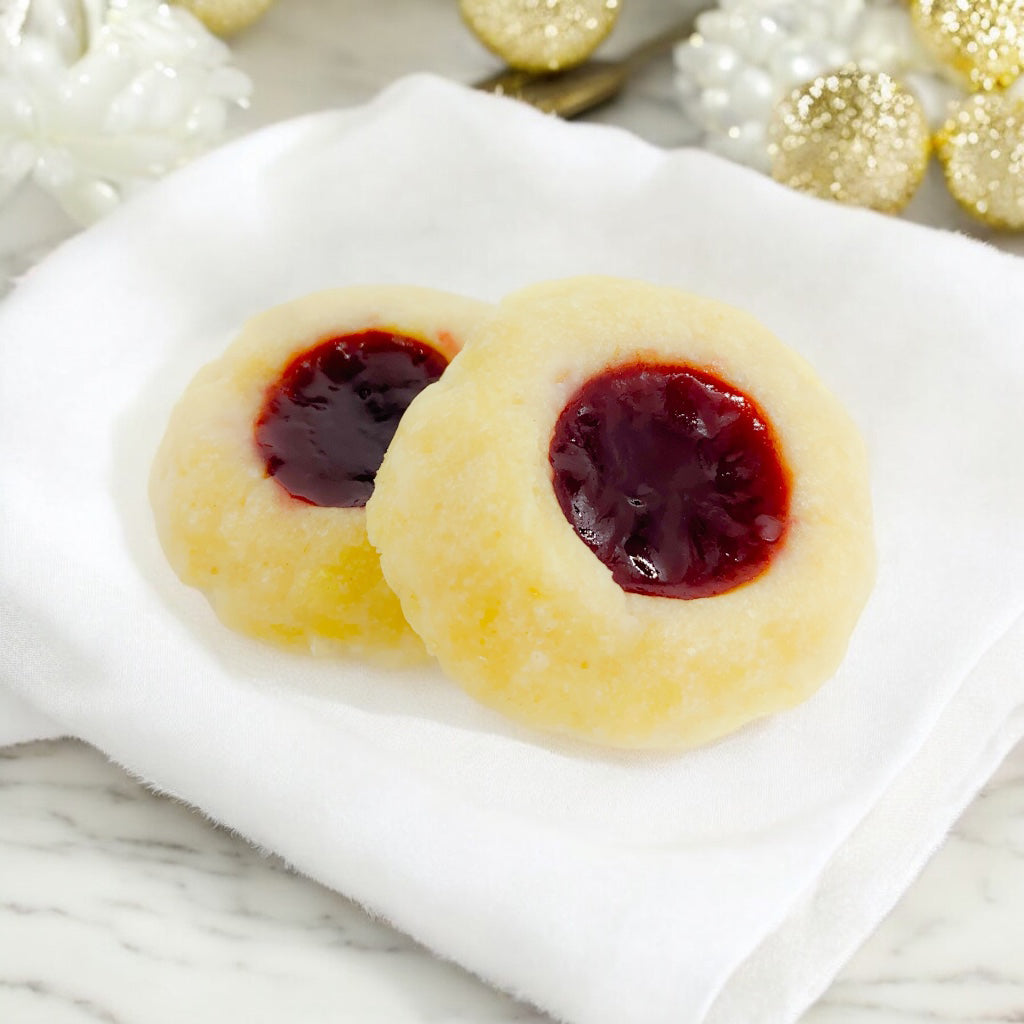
(97, 97)
(541, 35)
(831, 96)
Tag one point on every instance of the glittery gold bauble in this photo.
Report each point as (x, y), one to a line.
(853, 136)
(981, 40)
(226, 17)
(541, 35)
(981, 147)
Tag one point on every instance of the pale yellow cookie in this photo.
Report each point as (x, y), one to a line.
(279, 567)
(522, 612)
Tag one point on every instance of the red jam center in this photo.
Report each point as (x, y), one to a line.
(328, 420)
(672, 478)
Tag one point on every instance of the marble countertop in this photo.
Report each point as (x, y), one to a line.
(119, 905)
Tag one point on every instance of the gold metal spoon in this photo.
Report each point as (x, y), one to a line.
(579, 89)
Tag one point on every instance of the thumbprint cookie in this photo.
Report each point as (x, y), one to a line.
(260, 484)
(629, 515)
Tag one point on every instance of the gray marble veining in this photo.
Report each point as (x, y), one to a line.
(120, 905)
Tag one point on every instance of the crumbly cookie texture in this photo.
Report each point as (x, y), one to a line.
(274, 567)
(523, 615)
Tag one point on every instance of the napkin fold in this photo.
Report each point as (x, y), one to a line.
(20, 722)
(723, 885)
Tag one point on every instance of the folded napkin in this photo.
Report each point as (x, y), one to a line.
(20, 722)
(723, 885)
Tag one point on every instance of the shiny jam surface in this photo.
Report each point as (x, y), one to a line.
(327, 421)
(672, 477)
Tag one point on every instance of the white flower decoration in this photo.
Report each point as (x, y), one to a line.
(97, 96)
(747, 54)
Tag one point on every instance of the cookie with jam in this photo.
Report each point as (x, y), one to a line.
(260, 484)
(628, 515)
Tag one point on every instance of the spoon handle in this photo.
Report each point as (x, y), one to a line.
(579, 89)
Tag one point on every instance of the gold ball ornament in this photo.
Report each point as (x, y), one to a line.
(981, 149)
(850, 135)
(541, 35)
(226, 17)
(982, 41)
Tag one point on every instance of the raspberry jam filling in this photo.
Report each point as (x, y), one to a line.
(672, 477)
(329, 418)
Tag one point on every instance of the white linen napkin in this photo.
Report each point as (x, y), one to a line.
(20, 722)
(723, 885)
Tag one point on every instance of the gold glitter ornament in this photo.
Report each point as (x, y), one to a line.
(854, 136)
(541, 35)
(225, 17)
(981, 40)
(981, 148)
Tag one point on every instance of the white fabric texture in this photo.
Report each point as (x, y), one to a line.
(727, 884)
(19, 721)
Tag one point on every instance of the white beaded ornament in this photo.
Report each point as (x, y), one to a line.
(100, 95)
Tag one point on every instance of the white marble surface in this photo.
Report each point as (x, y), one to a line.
(118, 905)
